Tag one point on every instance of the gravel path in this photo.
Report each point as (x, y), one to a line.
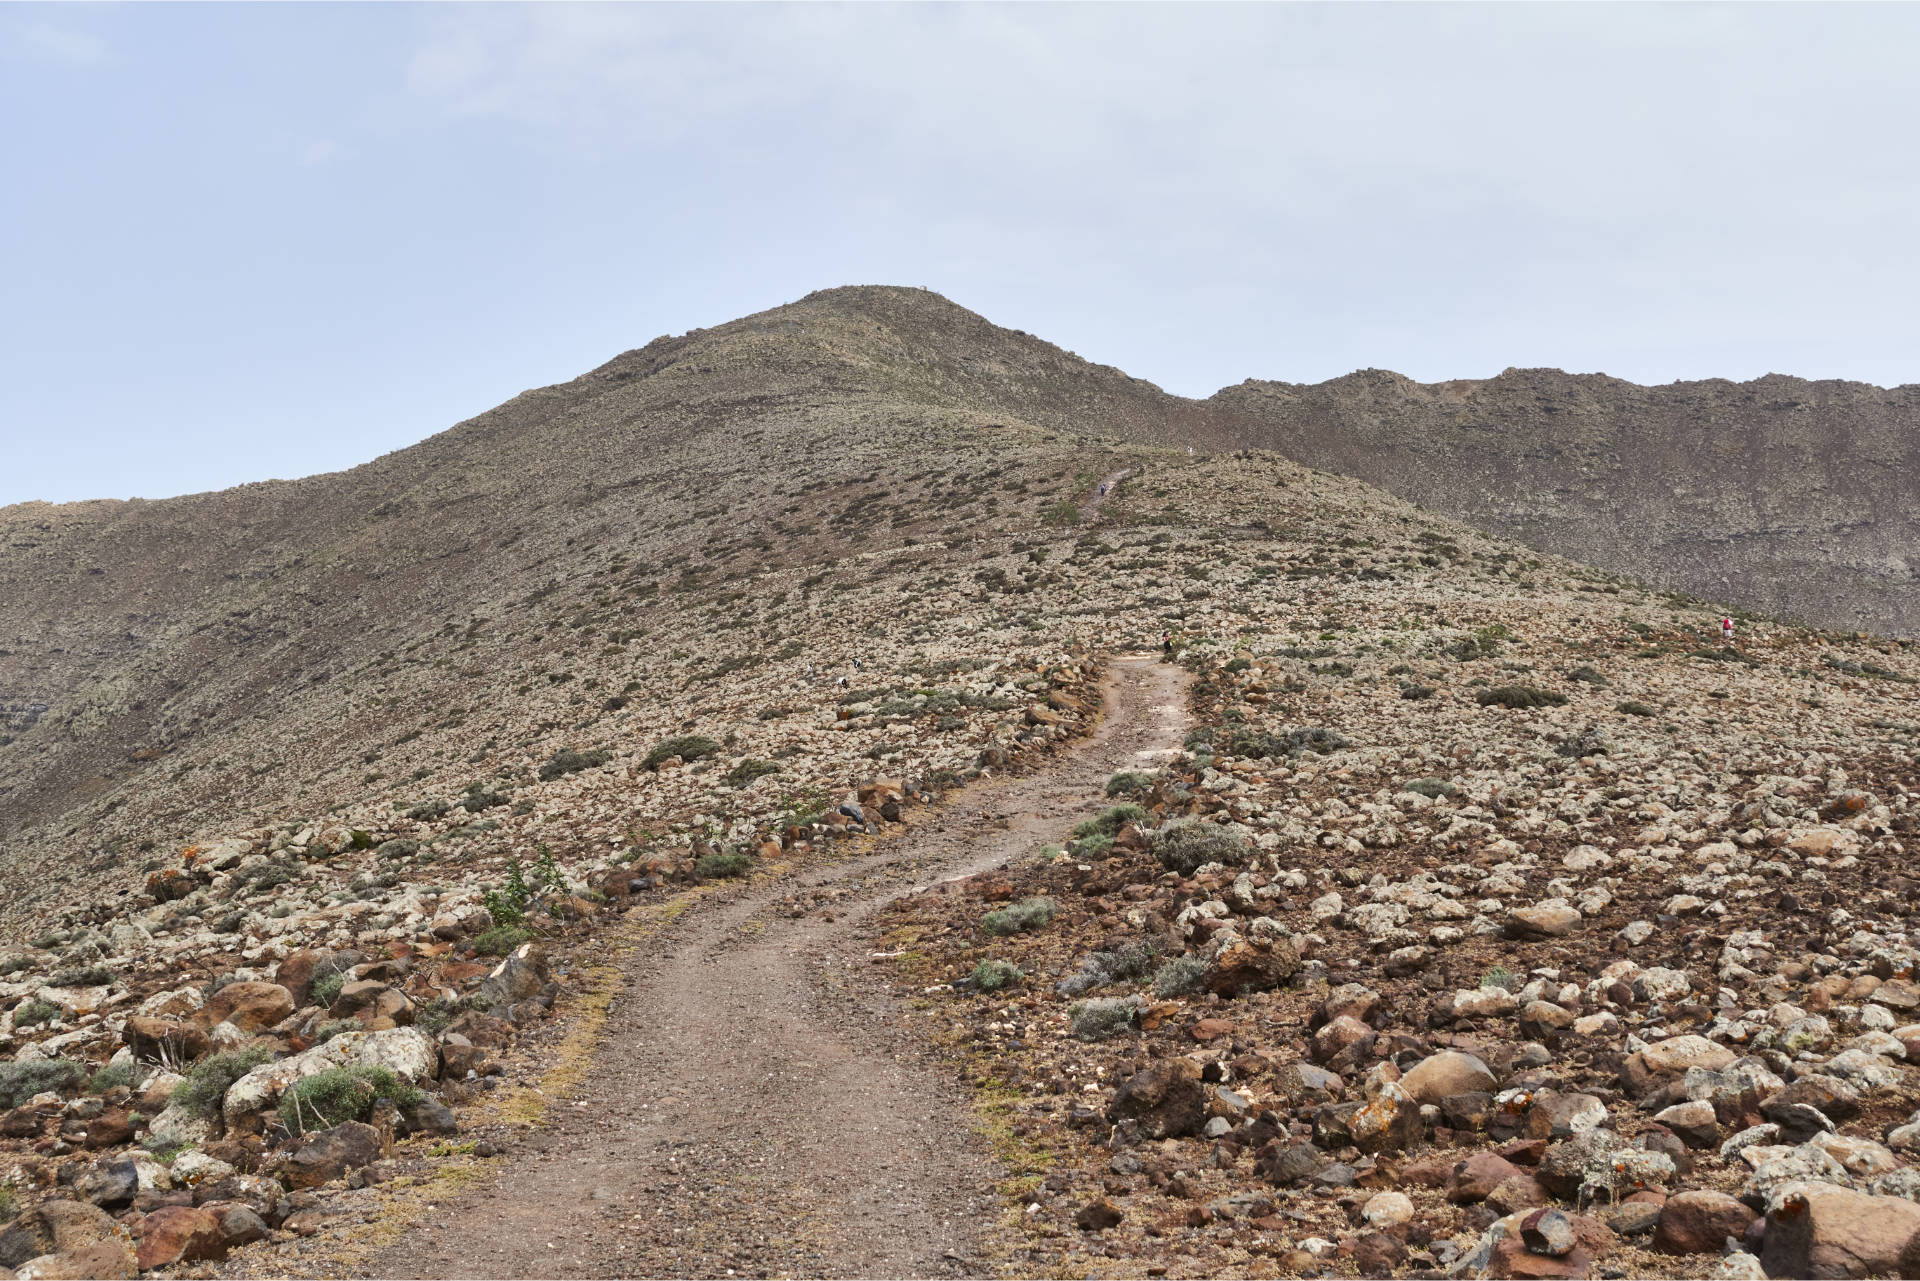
(752, 1114)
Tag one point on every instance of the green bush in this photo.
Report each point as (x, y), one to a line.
(35, 1012)
(991, 976)
(209, 1080)
(688, 747)
(1432, 788)
(1519, 696)
(1186, 844)
(1129, 783)
(1633, 707)
(713, 867)
(747, 771)
(1018, 918)
(115, 1075)
(1502, 977)
(1098, 1019)
(325, 991)
(501, 939)
(336, 1027)
(1414, 693)
(1111, 820)
(20, 1081)
(1252, 744)
(1129, 961)
(399, 847)
(1179, 976)
(567, 761)
(338, 1095)
(508, 904)
(427, 811)
(1588, 676)
(14, 962)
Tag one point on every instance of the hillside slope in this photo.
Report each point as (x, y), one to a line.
(1789, 497)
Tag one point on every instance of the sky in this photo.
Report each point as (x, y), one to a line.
(262, 241)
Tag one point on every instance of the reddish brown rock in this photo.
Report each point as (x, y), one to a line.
(1477, 1176)
(1166, 1100)
(1699, 1222)
(164, 1040)
(179, 1234)
(249, 1006)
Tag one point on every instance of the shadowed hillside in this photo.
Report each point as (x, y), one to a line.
(1790, 497)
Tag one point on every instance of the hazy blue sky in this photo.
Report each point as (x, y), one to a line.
(247, 242)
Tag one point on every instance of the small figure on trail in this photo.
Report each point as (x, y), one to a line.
(1166, 644)
(1103, 489)
(1726, 630)
(1189, 451)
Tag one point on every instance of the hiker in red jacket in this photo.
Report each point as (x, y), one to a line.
(1726, 630)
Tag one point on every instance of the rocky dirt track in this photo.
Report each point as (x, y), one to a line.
(747, 1115)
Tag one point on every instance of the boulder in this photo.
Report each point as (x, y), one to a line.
(1676, 1054)
(520, 976)
(63, 1227)
(179, 1234)
(1693, 1122)
(1166, 1100)
(407, 1052)
(1819, 1230)
(1475, 1178)
(159, 1040)
(250, 1006)
(1388, 1122)
(326, 1155)
(1243, 967)
(1550, 918)
(1699, 1222)
(1450, 1072)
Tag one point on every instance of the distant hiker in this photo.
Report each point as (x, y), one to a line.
(1166, 644)
(1189, 451)
(1726, 630)
(1103, 489)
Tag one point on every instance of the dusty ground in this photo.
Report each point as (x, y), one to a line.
(748, 1117)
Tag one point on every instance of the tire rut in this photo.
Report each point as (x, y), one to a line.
(750, 1113)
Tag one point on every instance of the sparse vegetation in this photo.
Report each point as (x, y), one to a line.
(718, 866)
(566, 761)
(992, 975)
(24, 1078)
(688, 747)
(328, 1098)
(209, 1080)
(1100, 1018)
(1188, 844)
(1519, 696)
(1018, 918)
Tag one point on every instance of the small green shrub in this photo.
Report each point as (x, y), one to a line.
(1129, 783)
(35, 1012)
(1587, 675)
(1187, 844)
(566, 761)
(1098, 1019)
(1518, 696)
(427, 811)
(713, 867)
(508, 904)
(338, 1095)
(1633, 707)
(1502, 977)
(1431, 788)
(747, 771)
(688, 747)
(1018, 918)
(325, 991)
(209, 1080)
(399, 847)
(14, 963)
(992, 975)
(1111, 820)
(20, 1081)
(501, 939)
(1414, 693)
(1100, 968)
(1179, 976)
(115, 1075)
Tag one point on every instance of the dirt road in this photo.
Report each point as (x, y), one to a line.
(746, 1117)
